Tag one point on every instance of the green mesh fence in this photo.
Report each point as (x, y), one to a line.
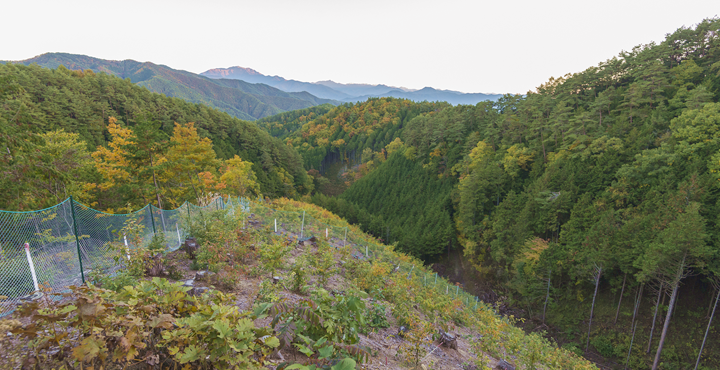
(62, 245)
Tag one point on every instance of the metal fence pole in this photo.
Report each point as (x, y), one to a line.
(77, 240)
(152, 218)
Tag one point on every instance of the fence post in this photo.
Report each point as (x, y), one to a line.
(152, 218)
(127, 249)
(77, 240)
(302, 227)
(177, 228)
(32, 266)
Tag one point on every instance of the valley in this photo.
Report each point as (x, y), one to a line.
(584, 212)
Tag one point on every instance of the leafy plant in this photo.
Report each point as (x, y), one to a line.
(323, 262)
(376, 316)
(272, 254)
(418, 336)
(153, 323)
(323, 327)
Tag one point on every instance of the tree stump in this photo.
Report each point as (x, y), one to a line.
(448, 340)
(155, 266)
(190, 247)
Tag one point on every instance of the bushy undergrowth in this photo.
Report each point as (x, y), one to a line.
(155, 323)
(158, 325)
(414, 301)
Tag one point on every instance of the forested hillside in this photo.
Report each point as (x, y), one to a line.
(607, 178)
(238, 98)
(118, 145)
(346, 131)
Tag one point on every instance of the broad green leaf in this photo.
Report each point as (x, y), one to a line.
(326, 351)
(191, 353)
(345, 364)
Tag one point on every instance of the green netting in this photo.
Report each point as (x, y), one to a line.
(55, 236)
(69, 241)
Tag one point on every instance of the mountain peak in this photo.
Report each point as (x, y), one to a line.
(230, 72)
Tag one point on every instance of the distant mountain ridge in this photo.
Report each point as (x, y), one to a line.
(241, 99)
(348, 92)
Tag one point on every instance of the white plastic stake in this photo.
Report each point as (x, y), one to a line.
(32, 266)
(302, 227)
(366, 251)
(326, 233)
(446, 289)
(127, 250)
(177, 228)
(276, 225)
(457, 287)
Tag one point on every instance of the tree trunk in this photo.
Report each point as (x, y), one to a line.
(639, 303)
(627, 362)
(710, 307)
(617, 313)
(706, 332)
(592, 308)
(547, 296)
(657, 307)
(157, 193)
(676, 284)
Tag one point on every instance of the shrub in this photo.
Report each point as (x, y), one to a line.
(153, 323)
(603, 345)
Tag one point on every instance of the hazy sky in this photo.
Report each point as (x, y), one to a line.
(470, 46)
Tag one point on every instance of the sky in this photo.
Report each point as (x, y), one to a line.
(468, 46)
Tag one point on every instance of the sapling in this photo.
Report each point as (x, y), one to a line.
(272, 255)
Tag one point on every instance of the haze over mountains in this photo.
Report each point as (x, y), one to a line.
(243, 92)
(348, 92)
(238, 98)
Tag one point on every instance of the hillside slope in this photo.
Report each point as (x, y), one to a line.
(338, 300)
(244, 101)
(599, 183)
(36, 101)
